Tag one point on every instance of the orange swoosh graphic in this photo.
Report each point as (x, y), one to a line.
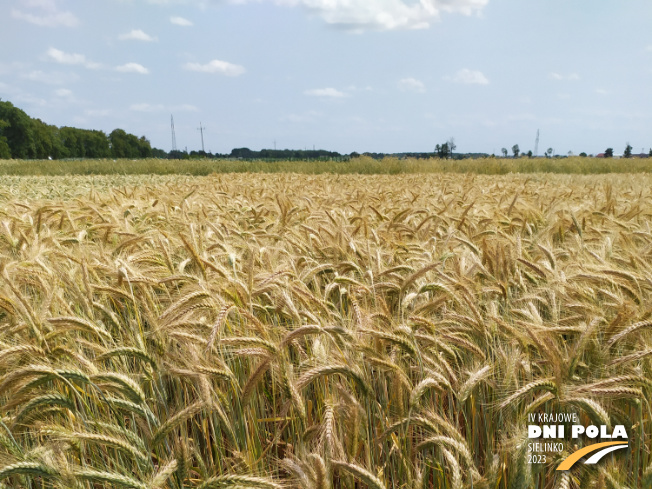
(570, 460)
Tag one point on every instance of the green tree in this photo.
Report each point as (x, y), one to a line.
(5, 151)
(20, 131)
(124, 145)
(177, 155)
(516, 150)
(244, 153)
(159, 153)
(609, 153)
(504, 151)
(47, 140)
(444, 150)
(24, 137)
(96, 144)
(72, 144)
(118, 143)
(628, 151)
(451, 145)
(144, 147)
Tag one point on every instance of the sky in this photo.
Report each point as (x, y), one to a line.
(343, 75)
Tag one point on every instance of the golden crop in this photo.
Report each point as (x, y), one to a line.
(283, 330)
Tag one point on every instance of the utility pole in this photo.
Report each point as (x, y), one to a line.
(174, 136)
(536, 145)
(201, 130)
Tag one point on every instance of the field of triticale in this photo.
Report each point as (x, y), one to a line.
(316, 332)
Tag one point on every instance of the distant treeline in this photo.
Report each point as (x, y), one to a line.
(312, 154)
(22, 137)
(263, 154)
(283, 154)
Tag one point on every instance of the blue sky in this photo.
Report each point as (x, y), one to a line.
(343, 75)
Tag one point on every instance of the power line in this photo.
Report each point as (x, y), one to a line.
(201, 130)
(174, 136)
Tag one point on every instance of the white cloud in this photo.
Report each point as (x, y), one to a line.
(361, 15)
(355, 88)
(200, 3)
(468, 77)
(66, 58)
(147, 107)
(47, 5)
(133, 68)
(216, 66)
(601, 91)
(12, 67)
(649, 48)
(185, 108)
(180, 21)
(560, 77)
(137, 35)
(364, 15)
(325, 92)
(63, 93)
(44, 13)
(29, 99)
(98, 112)
(411, 85)
(71, 59)
(50, 78)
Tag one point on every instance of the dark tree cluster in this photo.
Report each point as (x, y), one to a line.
(22, 137)
(283, 154)
(445, 150)
(628, 151)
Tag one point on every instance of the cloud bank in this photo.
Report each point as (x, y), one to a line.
(180, 21)
(133, 68)
(44, 13)
(365, 15)
(64, 58)
(411, 85)
(325, 92)
(137, 35)
(384, 15)
(560, 77)
(216, 66)
(468, 77)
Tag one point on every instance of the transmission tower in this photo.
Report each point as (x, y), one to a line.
(536, 145)
(174, 136)
(201, 130)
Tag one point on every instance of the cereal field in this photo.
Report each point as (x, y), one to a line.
(316, 332)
